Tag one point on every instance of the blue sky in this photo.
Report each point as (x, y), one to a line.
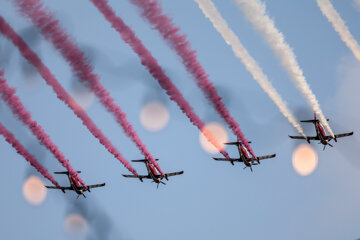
(211, 200)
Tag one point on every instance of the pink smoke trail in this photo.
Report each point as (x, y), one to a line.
(61, 93)
(153, 67)
(9, 137)
(9, 97)
(152, 12)
(82, 67)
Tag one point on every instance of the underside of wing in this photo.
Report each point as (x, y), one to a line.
(266, 157)
(227, 160)
(96, 185)
(173, 173)
(139, 176)
(344, 135)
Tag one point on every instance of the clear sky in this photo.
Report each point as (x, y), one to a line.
(212, 200)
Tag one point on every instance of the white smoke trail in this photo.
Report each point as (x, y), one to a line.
(339, 25)
(255, 12)
(240, 52)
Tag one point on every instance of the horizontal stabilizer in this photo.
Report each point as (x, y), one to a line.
(143, 160)
(66, 172)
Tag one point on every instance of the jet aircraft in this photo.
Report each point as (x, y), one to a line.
(244, 156)
(153, 173)
(75, 185)
(320, 133)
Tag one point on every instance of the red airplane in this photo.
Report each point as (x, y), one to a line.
(153, 173)
(75, 185)
(321, 134)
(244, 156)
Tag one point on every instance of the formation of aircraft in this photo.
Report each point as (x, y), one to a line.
(244, 156)
(75, 185)
(320, 133)
(153, 173)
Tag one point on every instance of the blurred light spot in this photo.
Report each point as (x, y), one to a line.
(304, 159)
(83, 96)
(76, 225)
(219, 133)
(34, 190)
(154, 116)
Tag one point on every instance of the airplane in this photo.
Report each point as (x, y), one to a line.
(244, 156)
(75, 185)
(320, 133)
(153, 173)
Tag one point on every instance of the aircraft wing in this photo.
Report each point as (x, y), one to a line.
(139, 176)
(66, 172)
(266, 157)
(173, 174)
(344, 135)
(301, 137)
(61, 188)
(96, 185)
(227, 160)
(234, 143)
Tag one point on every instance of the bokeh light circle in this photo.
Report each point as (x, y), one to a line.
(304, 159)
(76, 225)
(154, 116)
(84, 97)
(219, 133)
(34, 190)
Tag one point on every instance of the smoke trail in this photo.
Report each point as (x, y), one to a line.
(153, 13)
(82, 67)
(10, 138)
(61, 93)
(240, 52)
(340, 26)
(153, 67)
(255, 12)
(9, 97)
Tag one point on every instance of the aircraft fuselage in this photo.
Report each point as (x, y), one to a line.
(153, 172)
(76, 185)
